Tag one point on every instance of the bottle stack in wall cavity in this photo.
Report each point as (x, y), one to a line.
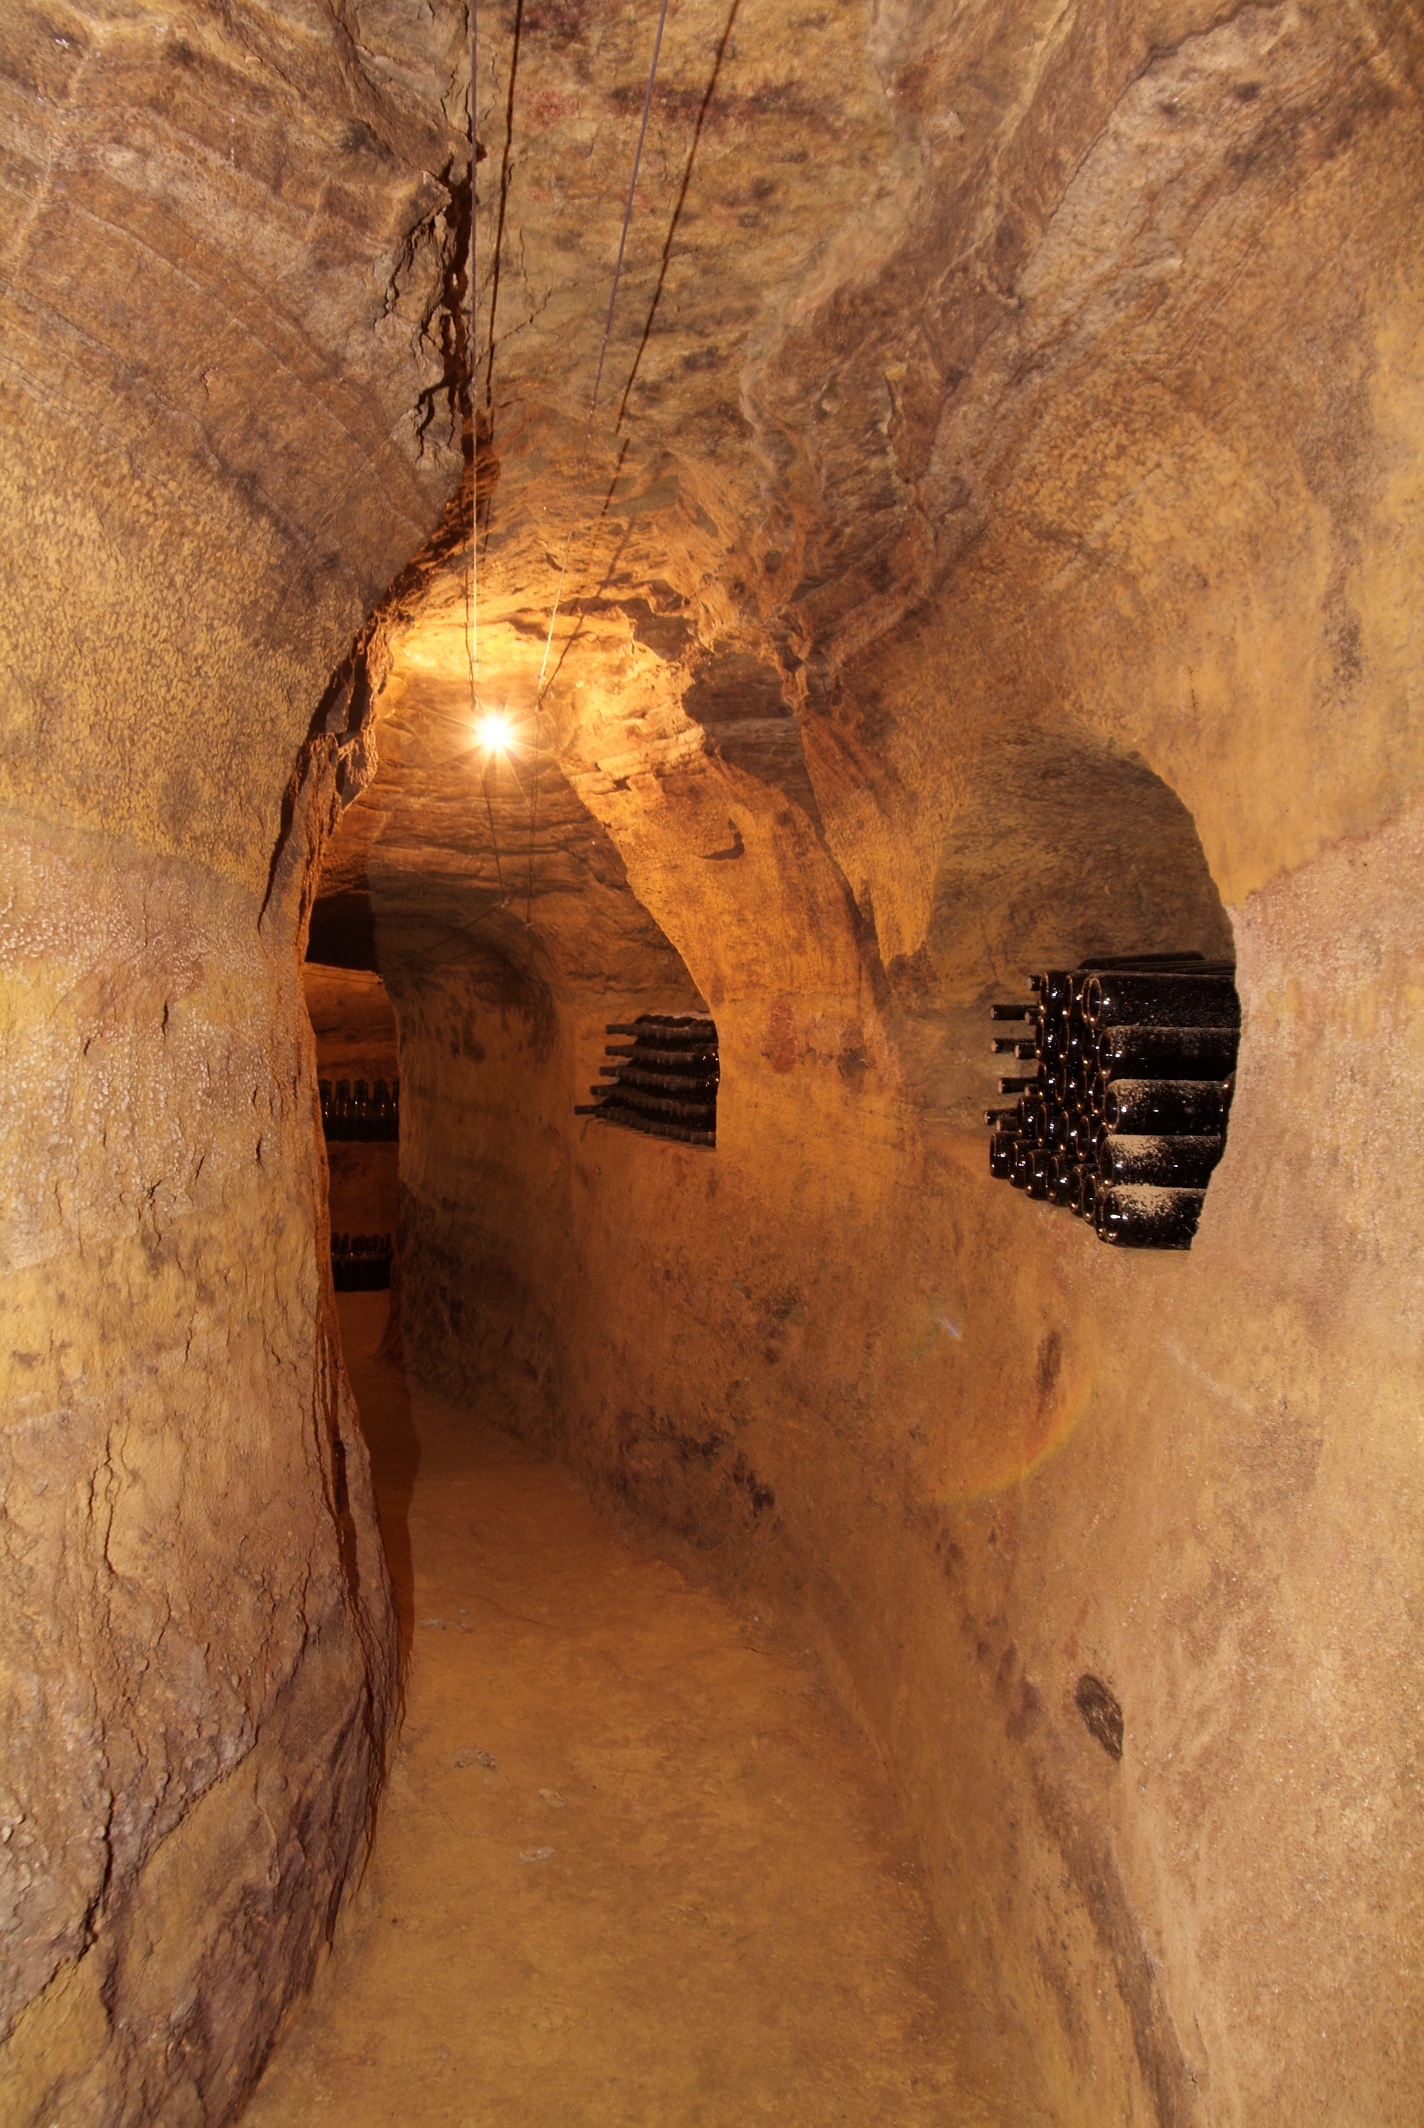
(1124, 1115)
(361, 1263)
(665, 1082)
(348, 1112)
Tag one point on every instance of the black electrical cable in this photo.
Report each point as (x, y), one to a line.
(627, 218)
(587, 434)
(719, 54)
(489, 370)
(504, 177)
(472, 369)
(607, 329)
(494, 835)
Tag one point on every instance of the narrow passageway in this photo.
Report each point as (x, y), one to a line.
(630, 1867)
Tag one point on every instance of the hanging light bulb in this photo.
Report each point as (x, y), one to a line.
(495, 733)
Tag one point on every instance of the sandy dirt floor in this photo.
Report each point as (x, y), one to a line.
(632, 1869)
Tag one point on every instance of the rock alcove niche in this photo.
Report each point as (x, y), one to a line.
(997, 537)
(1060, 848)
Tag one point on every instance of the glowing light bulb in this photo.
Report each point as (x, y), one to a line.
(495, 733)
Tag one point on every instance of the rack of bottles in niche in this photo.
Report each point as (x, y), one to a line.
(361, 1263)
(1124, 1118)
(360, 1111)
(665, 1080)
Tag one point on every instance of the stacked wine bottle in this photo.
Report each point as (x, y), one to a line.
(360, 1114)
(665, 1083)
(1124, 1116)
(361, 1263)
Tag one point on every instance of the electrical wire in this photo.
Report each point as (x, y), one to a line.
(588, 433)
(504, 172)
(472, 372)
(494, 834)
(719, 54)
(627, 218)
(542, 682)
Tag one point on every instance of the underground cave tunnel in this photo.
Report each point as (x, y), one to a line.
(569, 1552)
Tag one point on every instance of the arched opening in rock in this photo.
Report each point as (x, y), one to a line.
(358, 1082)
(1061, 847)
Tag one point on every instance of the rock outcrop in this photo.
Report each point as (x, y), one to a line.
(229, 238)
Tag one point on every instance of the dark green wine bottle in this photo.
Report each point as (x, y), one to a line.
(1055, 988)
(1086, 1135)
(1167, 1107)
(1186, 963)
(1132, 999)
(1040, 1174)
(1136, 1217)
(1167, 1163)
(1167, 1052)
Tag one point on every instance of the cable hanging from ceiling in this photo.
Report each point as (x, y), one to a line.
(496, 729)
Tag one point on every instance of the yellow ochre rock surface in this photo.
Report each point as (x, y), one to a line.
(995, 539)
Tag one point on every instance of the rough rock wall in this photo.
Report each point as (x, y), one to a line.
(355, 1034)
(227, 240)
(1086, 461)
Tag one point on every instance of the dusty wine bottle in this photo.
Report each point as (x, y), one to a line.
(1084, 1132)
(1100, 961)
(1135, 1216)
(1169, 1163)
(1069, 1081)
(1055, 1127)
(1040, 1174)
(1055, 988)
(1167, 1052)
(1124, 1119)
(668, 1032)
(1034, 1106)
(1167, 1107)
(1141, 1000)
